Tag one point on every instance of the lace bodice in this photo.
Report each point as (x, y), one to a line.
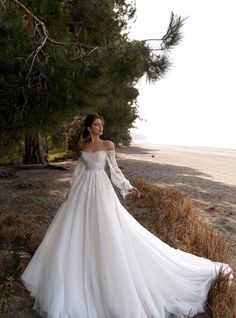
(94, 160)
(97, 160)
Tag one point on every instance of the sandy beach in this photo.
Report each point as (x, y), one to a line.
(206, 175)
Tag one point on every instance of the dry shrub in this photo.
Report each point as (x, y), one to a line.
(19, 238)
(21, 233)
(204, 240)
(172, 218)
(222, 297)
(10, 265)
(6, 291)
(169, 211)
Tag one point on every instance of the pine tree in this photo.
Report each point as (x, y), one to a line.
(78, 59)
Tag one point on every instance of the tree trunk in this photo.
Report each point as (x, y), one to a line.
(34, 152)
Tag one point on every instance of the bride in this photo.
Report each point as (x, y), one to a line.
(97, 261)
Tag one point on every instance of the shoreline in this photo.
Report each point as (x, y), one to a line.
(210, 148)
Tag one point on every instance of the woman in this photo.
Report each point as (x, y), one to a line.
(97, 261)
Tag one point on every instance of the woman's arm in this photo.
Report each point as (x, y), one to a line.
(117, 177)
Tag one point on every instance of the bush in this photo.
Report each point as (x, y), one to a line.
(172, 217)
(19, 238)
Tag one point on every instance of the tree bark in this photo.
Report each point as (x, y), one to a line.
(34, 152)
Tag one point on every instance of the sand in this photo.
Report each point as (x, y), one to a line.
(206, 175)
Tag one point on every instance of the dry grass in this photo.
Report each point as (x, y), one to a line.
(172, 217)
(19, 238)
(20, 233)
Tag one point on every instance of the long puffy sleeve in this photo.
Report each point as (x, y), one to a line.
(77, 170)
(117, 176)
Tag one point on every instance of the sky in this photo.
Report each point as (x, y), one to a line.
(194, 104)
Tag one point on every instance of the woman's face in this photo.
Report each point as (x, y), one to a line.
(97, 127)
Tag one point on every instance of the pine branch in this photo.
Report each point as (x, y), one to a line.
(43, 34)
(172, 38)
(173, 35)
(43, 31)
(3, 2)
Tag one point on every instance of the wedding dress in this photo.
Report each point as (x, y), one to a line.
(97, 261)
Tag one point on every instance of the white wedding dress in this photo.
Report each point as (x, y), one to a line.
(97, 261)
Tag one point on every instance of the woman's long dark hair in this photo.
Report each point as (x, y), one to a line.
(84, 135)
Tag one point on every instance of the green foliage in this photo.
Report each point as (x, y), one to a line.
(46, 91)
(36, 102)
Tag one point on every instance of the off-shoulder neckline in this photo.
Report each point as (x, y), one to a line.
(97, 151)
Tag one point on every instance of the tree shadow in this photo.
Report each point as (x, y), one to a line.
(136, 150)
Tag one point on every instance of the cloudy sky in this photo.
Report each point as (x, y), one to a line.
(194, 104)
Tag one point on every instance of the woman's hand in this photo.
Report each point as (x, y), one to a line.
(135, 192)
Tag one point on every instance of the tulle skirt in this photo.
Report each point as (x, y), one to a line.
(97, 261)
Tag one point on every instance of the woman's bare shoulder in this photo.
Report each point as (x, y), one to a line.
(80, 146)
(109, 145)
